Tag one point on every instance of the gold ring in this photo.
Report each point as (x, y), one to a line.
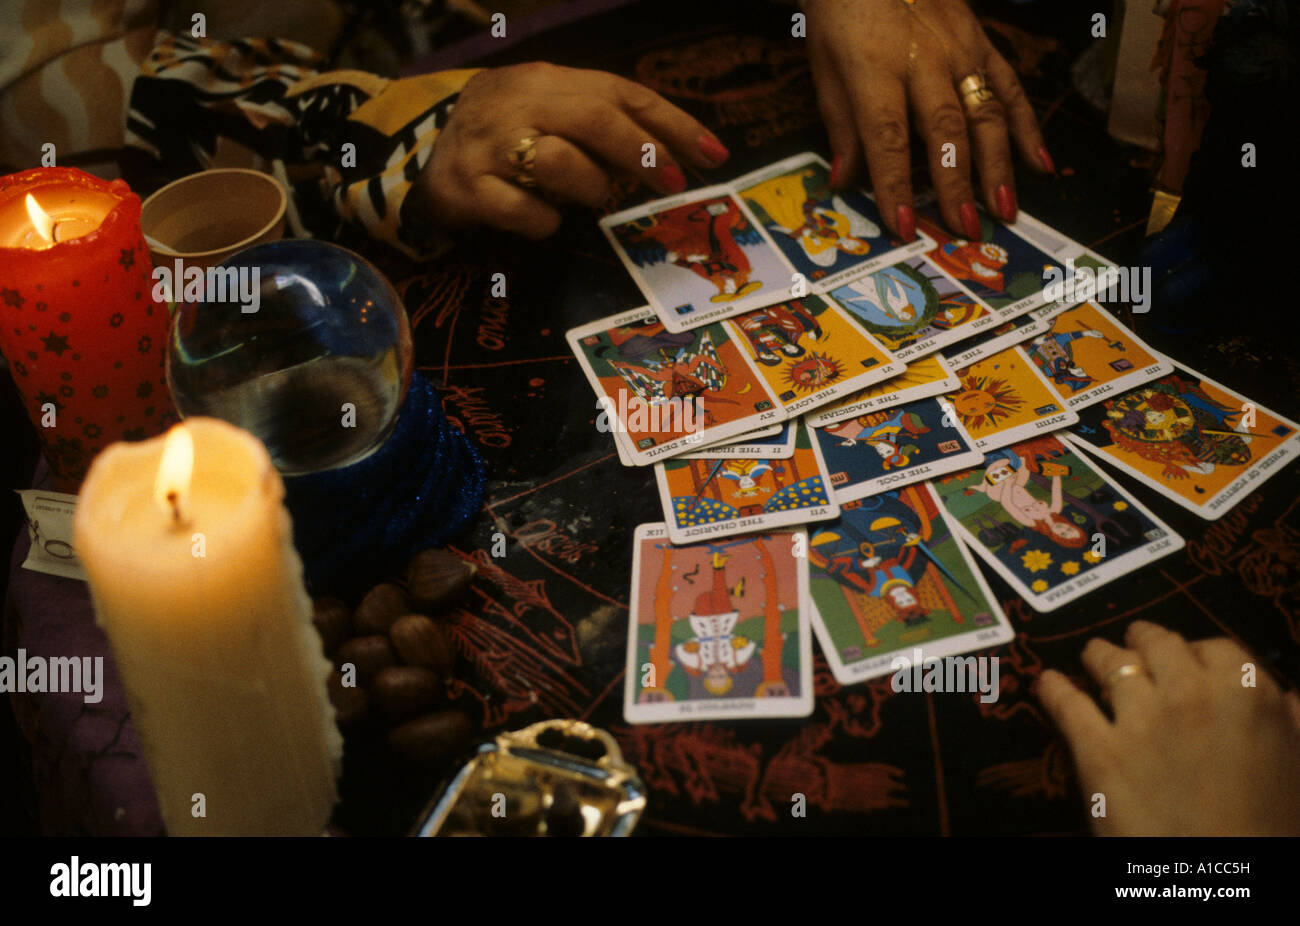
(522, 158)
(974, 90)
(1128, 670)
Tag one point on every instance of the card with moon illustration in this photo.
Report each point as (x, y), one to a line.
(810, 353)
(721, 497)
(887, 449)
(1190, 438)
(825, 235)
(719, 629)
(665, 392)
(1053, 526)
(913, 307)
(1089, 354)
(888, 578)
(924, 377)
(1003, 399)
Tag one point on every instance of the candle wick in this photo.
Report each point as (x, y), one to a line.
(174, 499)
(54, 232)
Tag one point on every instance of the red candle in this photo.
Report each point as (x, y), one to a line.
(83, 335)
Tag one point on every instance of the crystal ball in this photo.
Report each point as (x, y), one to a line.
(315, 364)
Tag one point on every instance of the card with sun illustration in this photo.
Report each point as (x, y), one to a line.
(717, 498)
(999, 337)
(1051, 524)
(923, 378)
(826, 235)
(1011, 266)
(887, 449)
(664, 393)
(775, 443)
(1004, 399)
(698, 257)
(1189, 438)
(887, 578)
(913, 307)
(1088, 354)
(810, 353)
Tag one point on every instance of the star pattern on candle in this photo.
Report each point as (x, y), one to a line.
(12, 297)
(47, 398)
(55, 344)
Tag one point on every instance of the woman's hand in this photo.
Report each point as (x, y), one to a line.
(590, 126)
(873, 61)
(1191, 751)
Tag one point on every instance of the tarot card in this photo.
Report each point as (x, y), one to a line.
(774, 444)
(925, 377)
(810, 353)
(998, 338)
(698, 257)
(826, 236)
(1003, 399)
(1050, 524)
(889, 578)
(1088, 354)
(718, 629)
(1191, 439)
(670, 392)
(1012, 266)
(716, 498)
(887, 449)
(913, 307)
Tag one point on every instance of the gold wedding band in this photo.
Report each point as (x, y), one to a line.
(522, 158)
(974, 90)
(1128, 670)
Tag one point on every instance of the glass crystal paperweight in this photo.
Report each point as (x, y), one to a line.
(317, 369)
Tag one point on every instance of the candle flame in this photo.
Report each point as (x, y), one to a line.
(174, 471)
(40, 219)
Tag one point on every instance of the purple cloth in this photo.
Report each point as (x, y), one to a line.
(90, 774)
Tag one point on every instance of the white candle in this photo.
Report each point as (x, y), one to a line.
(196, 583)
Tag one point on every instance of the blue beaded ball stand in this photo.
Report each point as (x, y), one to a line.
(319, 367)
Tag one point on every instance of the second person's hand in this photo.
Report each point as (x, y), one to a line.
(877, 63)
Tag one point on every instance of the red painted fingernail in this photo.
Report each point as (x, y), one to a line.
(906, 223)
(1006, 198)
(837, 163)
(1047, 160)
(970, 221)
(713, 149)
(672, 178)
